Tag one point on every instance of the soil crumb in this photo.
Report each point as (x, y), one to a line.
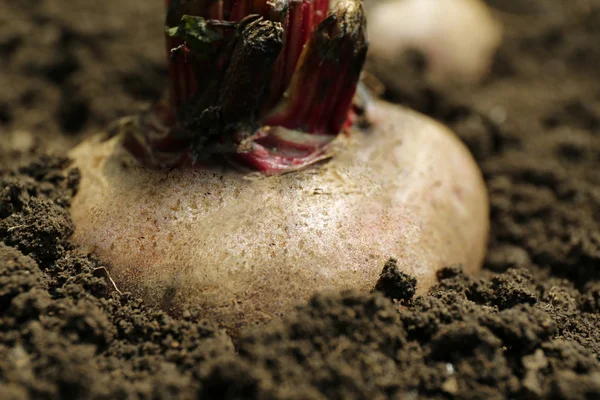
(527, 328)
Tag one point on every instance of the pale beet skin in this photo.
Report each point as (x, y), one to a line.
(322, 205)
(245, 248)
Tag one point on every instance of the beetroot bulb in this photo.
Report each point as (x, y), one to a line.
(265, 176)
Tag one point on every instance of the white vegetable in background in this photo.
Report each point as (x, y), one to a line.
(457, 37)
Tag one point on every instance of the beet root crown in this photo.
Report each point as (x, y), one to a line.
(265, 83)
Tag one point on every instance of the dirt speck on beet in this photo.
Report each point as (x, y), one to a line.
(526, 328)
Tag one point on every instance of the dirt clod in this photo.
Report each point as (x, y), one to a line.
(394, 284)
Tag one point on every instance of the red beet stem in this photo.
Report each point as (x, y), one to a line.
(322, 88)
(237, 65)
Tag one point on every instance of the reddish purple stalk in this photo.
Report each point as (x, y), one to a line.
(266, 83)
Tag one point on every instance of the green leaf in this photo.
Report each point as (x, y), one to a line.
(198, 34)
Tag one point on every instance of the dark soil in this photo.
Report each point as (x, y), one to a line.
(527, 328)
